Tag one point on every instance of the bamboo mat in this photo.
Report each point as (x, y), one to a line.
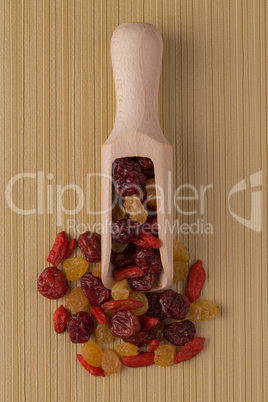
(58, 107)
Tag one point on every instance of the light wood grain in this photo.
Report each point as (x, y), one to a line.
(57, 107)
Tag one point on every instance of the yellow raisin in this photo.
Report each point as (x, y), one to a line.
(120, 290)
(127, 349)
(76, 300)
(111, 363)
(151, 194)
(164, 355)
(139, 296)
(96, 271)
(75, 268)
(135, 209)
(92, 353)
(103, 334)
(210, 310)
(118, 213)
(118, 247)
(180, 252)
(194, 313)
(180, 271)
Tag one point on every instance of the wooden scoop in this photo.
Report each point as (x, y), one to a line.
(136, 51)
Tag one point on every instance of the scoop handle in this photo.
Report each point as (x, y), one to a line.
(136, 51)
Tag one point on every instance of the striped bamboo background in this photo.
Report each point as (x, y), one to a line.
(57, 107)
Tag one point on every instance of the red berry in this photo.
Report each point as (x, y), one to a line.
(52, 283)
(196, 280)
(59, 249)
(124, 324)
(90, 245)
(61, 317)
(80, 326)
(94, 289)
(174, 304)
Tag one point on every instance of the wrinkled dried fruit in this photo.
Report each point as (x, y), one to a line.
(132, 271)
(124, 324)
(94, 289)
(194, 313)
(139, 339)
(143, 284)
(180, 271)
(61, 317)
(120, 290)
(121, 260)
(146, 163)
(135, 208)
(148, 260)
(125, 230)
(80, 326)
(96, 271)
(141, 297)
(128, 176)
(118, 247)
(142, 243)
(90, 245)
(179, 333)
(59, 249)
(127, 349)
(76, 300)
(210, 310)
(153, 345)
(98, 314)
(92, 353)
(147, 323)
(189, 350)
(111, 363)
(122, 305)
(164, 355)
(155, 308)
(103, 334)
(96, 371)
(196, 280)
(70, 248)
(52, 283)
(180, 252)
(143, 359)
(150, 239)
(174, 304)
(75, 268)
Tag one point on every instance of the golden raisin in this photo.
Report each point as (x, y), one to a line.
(92, 353)
(210, 310)
(164, 355)
(103, 334)
(151, 194)
(75, 268)
(139, 296)
(180, 271)
(135, 209)
(180, 252)
(194, 313)
(118, 213)
(120, 290)
(111, 363)
(118, 247)
(96, 271)
(127, 349)
(76, 300)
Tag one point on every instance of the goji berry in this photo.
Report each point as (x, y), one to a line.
(150, 239)
(189, 350)
(59, 249)
(142, 243)
(122, 305)
(96, 371)
(147, 322)
(132, 271)
(196, 280)
(61, 317)
(153, 345)
(143, 359)
(70, 248)
(98, 315)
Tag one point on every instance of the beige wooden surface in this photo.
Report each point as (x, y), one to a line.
(58, 107)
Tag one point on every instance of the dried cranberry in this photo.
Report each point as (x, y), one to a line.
(124, 258)
(179, 333)
(148, 260)
(174, 304)
(80, 326)
(155, 308)
(61, 317)
(125, 230)
(52, 283)
(94, 289)
(143, 284)
(124, 324)
(141, 338)
(128, 176)
(90, 245)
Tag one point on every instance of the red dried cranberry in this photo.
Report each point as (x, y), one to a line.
(146, 163)
(125, 230)
(174, 304)
(128, 176)
(124, 324)
(94, 289)
(155, 308)
(90, 245)
(52, 283)
(141, 338)
(125, 258)
(143, 284)
(179, 333)
(61, 317)
(148, 260)
(80, 326)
